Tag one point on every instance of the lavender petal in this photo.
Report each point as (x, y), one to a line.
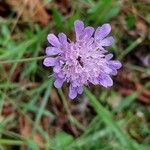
(88, 32)
(105, 80)
(79, 27)
(57, 69)
(52, 39)
(72, 92)
(102, 32)
(107, 41)
(109, 56)
(58, 83)
(115, 64)
(52, 51)
(49, 61)
(80, 90)
(63, 38)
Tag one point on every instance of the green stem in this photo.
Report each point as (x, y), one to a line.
(71, 118)
(22, 60)
(138, 68)
(130, 48)
(64, 102)
(12, 142)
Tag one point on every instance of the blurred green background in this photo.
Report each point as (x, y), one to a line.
(36, 116)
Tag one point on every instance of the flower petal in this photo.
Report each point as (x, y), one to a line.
(58, 83)
(52, 39)
(102, 32)
(94, 81)
(107, 41)
(49, 61)
(57, 69)
(79, 27)
(61, 74)
(88, 32)
(72, 92)
(115, 64)
(107, 69)
(109, 56)
(62, 38)
(52, 51)
(80, 90)
(90, 41)
(114, 72)
(105, 80)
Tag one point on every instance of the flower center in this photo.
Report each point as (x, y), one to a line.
(80, 61)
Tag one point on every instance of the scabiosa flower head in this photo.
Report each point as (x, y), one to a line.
(82, 61)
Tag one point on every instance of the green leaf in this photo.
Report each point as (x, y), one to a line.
(114, 11)
(58, 18)
(148, 18)
(61, 140)
(104, 11)
(43, 104)
(70, 21)
(131, 21)
(126, 102)
(32, 145)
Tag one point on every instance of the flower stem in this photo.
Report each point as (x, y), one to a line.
(22, 60)
(72, 119)
(130, 48)
(12, 142)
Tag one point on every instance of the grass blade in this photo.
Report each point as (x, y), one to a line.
(106, 116)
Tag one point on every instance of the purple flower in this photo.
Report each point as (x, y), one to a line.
(83, 61)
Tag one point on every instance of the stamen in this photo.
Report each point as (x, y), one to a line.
(80, 61)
